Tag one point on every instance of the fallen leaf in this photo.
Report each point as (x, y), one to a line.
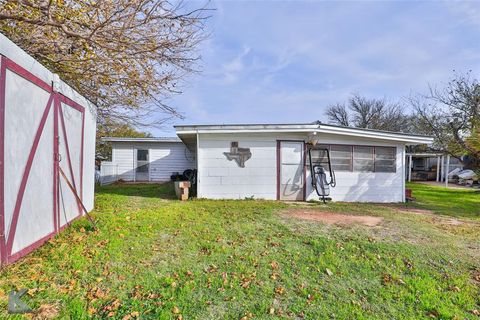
(30, 292)
(454, 288)
(433, 314)
(386, 279)
(175, 310)
(46, 311)
(280, 290)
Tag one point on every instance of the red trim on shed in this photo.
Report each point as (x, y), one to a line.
(55, 99)
(82, 155)
(3, 248)
(17, 255)
(56, 156)
(24, 73)
(26, 173)
(67, 148)
(65, 137)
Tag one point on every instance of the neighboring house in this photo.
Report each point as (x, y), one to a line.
(47, 143)
(146, 159)
(271, 161)
(429, 166)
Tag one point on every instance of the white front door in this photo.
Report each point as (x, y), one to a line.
(291, 162)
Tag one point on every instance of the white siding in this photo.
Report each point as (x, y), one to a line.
(123, 157)
(364, 186)
(164, 157)
(223, 179)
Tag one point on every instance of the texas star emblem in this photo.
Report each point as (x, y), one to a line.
(240, 155)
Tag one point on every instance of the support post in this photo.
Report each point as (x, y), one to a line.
(410, 165)
(447, 171)
(438, 168)
(441, 168)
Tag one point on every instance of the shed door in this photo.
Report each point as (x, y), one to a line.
(38, 128)
(292, 182)
(70, 150)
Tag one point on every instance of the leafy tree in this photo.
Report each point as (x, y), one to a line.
(115, 129)
(452, 115)
(361, 112)
(126, 56)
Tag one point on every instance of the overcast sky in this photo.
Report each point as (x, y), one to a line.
(285, 61)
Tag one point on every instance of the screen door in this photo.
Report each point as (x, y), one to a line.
(141, 172)
(291, 170)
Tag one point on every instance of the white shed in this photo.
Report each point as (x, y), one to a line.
(46, 128)
(269, 161)
(146, 159)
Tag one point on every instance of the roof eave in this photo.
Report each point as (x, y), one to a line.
(404, 138)
(118, 139)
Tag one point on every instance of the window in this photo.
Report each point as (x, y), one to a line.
(385, 159)
(363, 159)
(358, 158)
(341, 157)
(142, 155)
(318, 153)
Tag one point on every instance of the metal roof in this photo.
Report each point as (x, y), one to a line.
(312, 125)
(150, 139)
(315, 127)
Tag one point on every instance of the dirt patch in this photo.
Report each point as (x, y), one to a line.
(416, 211)
(435, 218)
(476, 276)
(333, 218)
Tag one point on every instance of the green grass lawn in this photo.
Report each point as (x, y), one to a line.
(157, 258)
(448, 201)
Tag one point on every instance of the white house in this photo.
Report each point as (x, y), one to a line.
(272, 162)
(47, 144)
(146, 159)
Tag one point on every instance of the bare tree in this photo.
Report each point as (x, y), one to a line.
(338, 114)
(452, 115)
(127, 56)
(367, 113)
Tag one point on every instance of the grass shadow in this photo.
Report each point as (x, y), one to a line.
(164, 191)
